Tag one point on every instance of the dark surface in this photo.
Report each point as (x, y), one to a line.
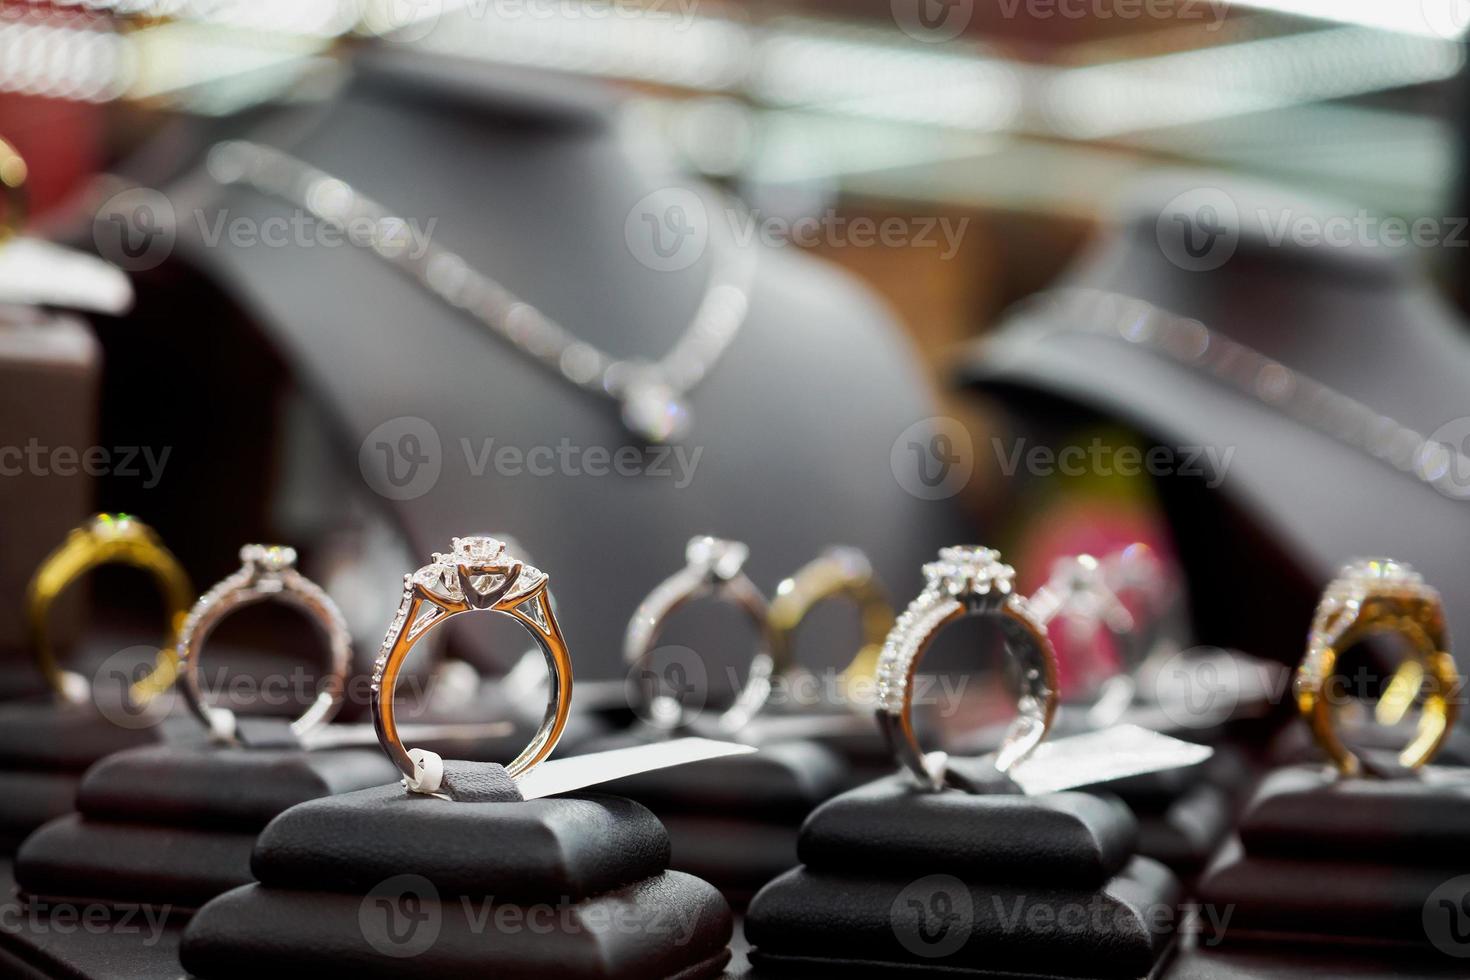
(1118, 931)
(890, 827)
(670, 925)
(548, 849)
(221, 787)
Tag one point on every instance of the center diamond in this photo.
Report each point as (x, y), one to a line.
(970, 570)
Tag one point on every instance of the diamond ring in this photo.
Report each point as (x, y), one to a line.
(1371, 596)
(477, 575)
(1076, 604)
(966, 580)
(267, 572)
(714, 567)
(838, 572)
(108, 539)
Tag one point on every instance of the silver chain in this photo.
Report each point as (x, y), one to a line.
(652, 394)
(1284, 389)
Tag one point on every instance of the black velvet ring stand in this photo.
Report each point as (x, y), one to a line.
(733, 821)
(173, 824)
(385, 883)
(1386, 846)
(898, 880)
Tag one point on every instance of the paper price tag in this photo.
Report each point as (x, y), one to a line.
(582, 771)
(1100, 757)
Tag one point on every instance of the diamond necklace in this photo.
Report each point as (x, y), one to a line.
(653, 395)
(1283, 389)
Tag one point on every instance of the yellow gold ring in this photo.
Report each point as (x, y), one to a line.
(837, 573)
(1367, 597)
(104, 540)
(13, 180)
(479, 574)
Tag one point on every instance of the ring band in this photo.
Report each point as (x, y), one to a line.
(266, 572)
(1372, 596)
(13, 175)
(477, 576)
(714, 567)
(966, 580)
(107, 539)
(837, 573)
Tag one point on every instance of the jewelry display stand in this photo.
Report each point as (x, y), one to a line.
(528, 177)
(200, 805)
(386, 883)
(898, 880)
(1358, 319)
(1385, 846)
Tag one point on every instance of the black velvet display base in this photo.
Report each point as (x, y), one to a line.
(1323, 859)
(383, 883)
(1289, 961)
(45, 746)
(894, 878)
(175, 825)
(733, 821)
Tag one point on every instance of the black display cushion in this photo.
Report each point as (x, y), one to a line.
(781, 782)
(1359, 900)
(1294, 961)
(76, 858)
(30, 798)
(211, 786)
(1119, 931)
(548, 849)
(1309, 811)
(671, 925)
(893, 826)
(49, 735)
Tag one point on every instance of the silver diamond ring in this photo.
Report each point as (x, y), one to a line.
(267, 572)
(714, 567)
(966, 580)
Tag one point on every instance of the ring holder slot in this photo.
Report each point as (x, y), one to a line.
(352, 884)
(896, 879)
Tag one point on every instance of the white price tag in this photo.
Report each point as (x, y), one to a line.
(582, 771)
(1100, 757)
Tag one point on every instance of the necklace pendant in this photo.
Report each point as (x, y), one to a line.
(655, 412)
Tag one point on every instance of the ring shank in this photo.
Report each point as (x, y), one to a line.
(829, 577)
(548, 636)
(83, 552)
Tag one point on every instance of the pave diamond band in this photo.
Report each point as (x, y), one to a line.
(713, 567)
(267, 572)
(1371, 596)
(479, 574)
(966, 580)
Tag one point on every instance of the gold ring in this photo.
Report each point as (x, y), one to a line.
(837, 573)
(479, 575)
(1372, 596)
(13, 174)
(104, 540)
